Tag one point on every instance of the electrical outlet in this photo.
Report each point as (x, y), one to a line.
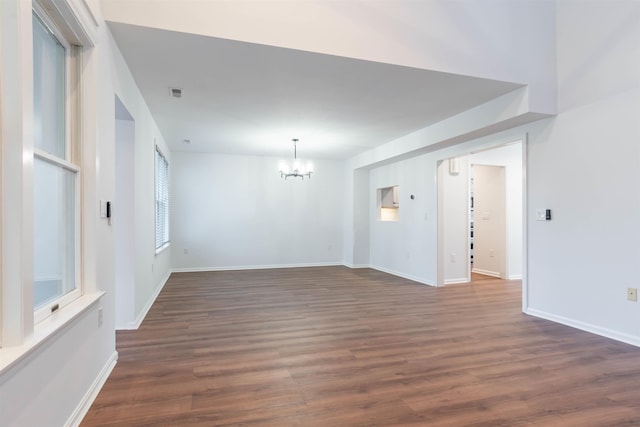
(632, 294)
(453, 258)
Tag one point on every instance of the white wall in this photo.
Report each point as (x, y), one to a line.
(151, 269)
(585, 166)
(232, 211)
(406, 247)
(409, 246)
(454, 220)
(497, 39)
(356, 217)
(124, 222)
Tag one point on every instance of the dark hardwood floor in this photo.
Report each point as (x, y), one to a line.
(333, 346)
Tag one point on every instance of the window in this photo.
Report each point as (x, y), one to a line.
(55, 177)
(162, 201)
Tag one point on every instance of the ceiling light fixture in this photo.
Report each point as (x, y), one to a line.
(298, 170)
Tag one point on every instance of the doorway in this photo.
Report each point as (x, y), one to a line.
(498, 252)
(488, 221)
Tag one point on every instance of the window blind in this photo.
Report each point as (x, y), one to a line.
(162, 200)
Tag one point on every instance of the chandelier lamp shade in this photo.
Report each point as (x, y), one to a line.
(298, 169)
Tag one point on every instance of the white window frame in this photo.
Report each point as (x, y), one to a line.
(161, 246)
(19, 335)
(71, 124)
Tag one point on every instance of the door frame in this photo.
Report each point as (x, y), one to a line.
(499, 142)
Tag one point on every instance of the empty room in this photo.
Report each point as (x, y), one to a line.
(319, 213)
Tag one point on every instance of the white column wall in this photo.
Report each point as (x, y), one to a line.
(123, 221)
(151, 269)
(455, 222)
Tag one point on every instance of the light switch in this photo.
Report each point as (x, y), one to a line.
(543, 214)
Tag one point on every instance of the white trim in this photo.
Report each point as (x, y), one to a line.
(403, 275)
(356, 265)
(55, 160)
(525, 223)
(90, 396)
(91, 13)
(10, 357)
(53, 26)
(158, 154)
(44, 311)
(255, 267)
(487, 272)
(143, 313)
(515, 277)
(456, 281)
(46, 278)
(587, 327)
(80, 26)
(162, 248)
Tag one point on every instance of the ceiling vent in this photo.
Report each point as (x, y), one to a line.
(175, 92)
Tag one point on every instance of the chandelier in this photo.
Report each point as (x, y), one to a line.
(298, 170)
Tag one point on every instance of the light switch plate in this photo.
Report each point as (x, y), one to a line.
(541, 214)
(103, 208)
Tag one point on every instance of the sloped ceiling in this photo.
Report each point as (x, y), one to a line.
(246, 98)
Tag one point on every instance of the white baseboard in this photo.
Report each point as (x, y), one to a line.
(608, 333)
(403, 275)
(143, 313)
(91, 394)
(486, 272)
(255, 267)
(515, 277)
(357, 265)
(456, 281)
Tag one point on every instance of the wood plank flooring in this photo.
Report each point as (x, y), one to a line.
(332, 346)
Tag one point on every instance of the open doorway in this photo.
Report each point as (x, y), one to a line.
(480, 215)
(488, 221)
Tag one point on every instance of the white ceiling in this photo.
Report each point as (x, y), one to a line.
(245, 98)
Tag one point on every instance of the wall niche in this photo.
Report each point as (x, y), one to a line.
(388, 206)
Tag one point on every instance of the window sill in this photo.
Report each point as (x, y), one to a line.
(45, 331)
(162, 248)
